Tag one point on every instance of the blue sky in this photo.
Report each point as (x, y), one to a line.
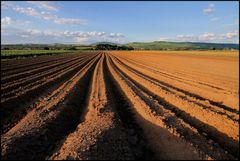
(120, 22)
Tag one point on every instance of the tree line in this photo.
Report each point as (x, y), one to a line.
(113, 47)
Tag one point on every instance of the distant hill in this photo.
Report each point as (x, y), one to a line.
(155, 45)
(163, 45)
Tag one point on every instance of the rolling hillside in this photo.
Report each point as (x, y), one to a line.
(163, 45)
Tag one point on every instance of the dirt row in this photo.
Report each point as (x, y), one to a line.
(36, 75)
(193, 98)
(176, 76)
(105, 106)
(18, 101)
(211, 134)
(19, 63)
(53, 118)
(33, 67)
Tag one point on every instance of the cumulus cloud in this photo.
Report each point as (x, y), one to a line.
(101, 33)
(231, 35)
(187, 37)
(34, 32)
(208, 36)
(82, 34)
(116, 35)
(210, 9)
(58, 20)
(27, 11)
(69, 21)
(63, 36)
(205, 37)
(6, 21)
(81, 39)
(49, 16)
(44, 4)
(50, 33)
(94, 33)
(93, 36)
(29, 33)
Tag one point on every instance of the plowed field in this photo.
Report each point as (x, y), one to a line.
(121, 105)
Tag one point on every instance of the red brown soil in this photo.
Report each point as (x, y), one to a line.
(120, 105)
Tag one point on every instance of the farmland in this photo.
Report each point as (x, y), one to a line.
(121, 105)
(31, 53)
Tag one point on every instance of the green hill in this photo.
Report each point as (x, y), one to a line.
(163, 45)
(156, 45)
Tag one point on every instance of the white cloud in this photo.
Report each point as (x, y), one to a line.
(28, 11)
(34, 32)
(48, 15)
(78, 34)
(45, 5)
(95, 33)
(81, 40)
(51, 33)
(11, 22)
(52, 36)
(6, 21)
(232, 34)
(67, 33)
(208, 36)
(101, 33)
(28, 33)
(187, 37)
(210, 9)
(94, 36)
(229, 37)
(70, 21)
(116, 35)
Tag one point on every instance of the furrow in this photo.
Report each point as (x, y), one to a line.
(18, 75)
(171, 76)
(196, 96)
(203, 104)
(211, 132)
(12, 86)
(153, 128)
(40, 60)
(22, 90)
(176, 124)
(12, 111)
(40, 131)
